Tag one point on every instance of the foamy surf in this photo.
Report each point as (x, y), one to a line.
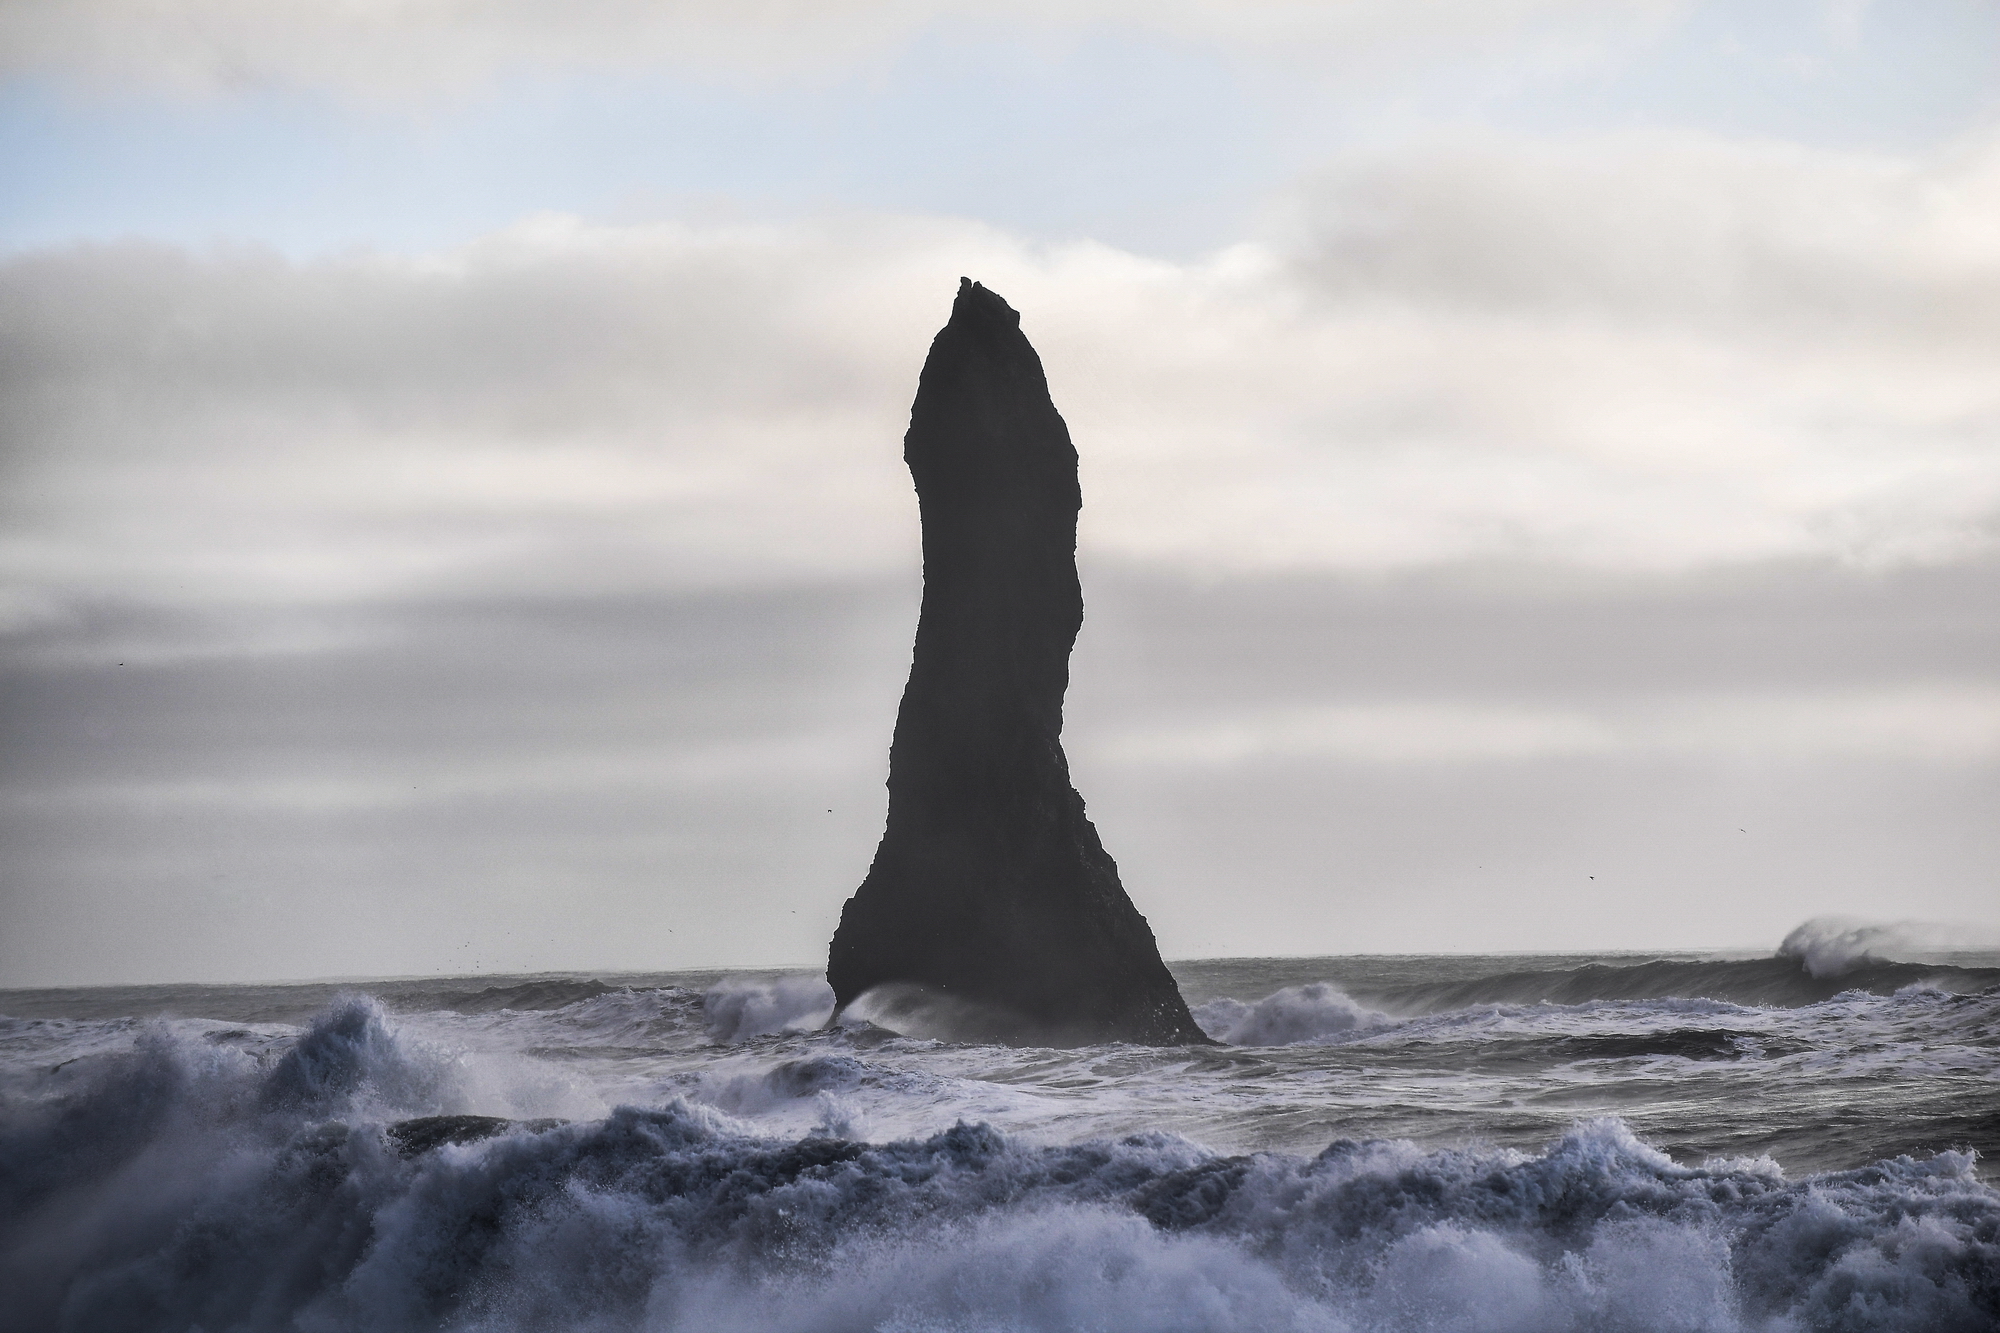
(700, 1152)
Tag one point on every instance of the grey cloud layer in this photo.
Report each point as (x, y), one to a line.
(235, 424)
(625, 782)
(1511, 519)
(1629, 353)
(1677, 229)
(403, 48)
(1783, 663)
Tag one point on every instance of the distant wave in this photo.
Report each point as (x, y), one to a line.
(1832, 946)
(188, 1184)
(1317, 1012)
(554, 993)
(1783, 981)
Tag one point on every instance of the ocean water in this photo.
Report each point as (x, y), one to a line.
(1627, 1142)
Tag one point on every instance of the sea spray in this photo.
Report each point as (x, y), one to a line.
(1834, 946)
(739, 1010)
(670, 1217)
(1316, 1012)
(698, 1153)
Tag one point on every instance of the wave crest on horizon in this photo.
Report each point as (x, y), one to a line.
(1833, 946)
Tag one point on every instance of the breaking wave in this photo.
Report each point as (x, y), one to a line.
(1832, 946)
(739, 1010)
(1785, 981)
(1316, 1012)
(334, 1179)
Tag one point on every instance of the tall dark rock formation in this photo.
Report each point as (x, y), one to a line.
(991, 900)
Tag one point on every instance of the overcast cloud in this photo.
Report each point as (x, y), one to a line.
(1519, 538)
(404, 49)
(1635, 353)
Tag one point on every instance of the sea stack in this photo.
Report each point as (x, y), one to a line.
(991, 906)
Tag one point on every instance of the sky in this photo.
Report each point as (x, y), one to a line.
(1541, 466)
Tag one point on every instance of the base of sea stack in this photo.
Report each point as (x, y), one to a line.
(934, 1014)
(952, 940)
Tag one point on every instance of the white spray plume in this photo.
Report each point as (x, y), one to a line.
(1831, 946)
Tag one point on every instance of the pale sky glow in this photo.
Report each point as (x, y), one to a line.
(454, 513)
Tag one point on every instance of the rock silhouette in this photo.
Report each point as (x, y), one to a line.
(992, 912)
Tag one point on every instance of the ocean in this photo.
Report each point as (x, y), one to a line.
(1576, 1142)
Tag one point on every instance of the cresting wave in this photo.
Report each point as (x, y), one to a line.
(216, 1178)
(1832, 946)
(1785, 980)
(1314, 1012)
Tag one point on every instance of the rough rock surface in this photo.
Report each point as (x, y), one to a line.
(991, 904)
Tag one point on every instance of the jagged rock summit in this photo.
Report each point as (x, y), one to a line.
(991, 905)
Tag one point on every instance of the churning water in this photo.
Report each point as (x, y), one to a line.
(1413, 1143)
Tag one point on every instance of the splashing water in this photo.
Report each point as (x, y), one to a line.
(1372, 1152)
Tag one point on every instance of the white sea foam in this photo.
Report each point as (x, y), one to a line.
(338, 1175)
(739, 1010)
(1316, 1012)
(1833, 946)
(256, 1211)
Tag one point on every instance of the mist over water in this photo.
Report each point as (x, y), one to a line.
(1832, 946)
(1399, 1144)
